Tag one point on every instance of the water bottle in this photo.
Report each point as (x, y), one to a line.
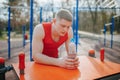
(72, 51)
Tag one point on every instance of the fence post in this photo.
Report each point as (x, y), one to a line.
(9, 29)
(111, 31)
(77, 23)
(31, 27)
(40, 14)
(23, 31)
(104, 35)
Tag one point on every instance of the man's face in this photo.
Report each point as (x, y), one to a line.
(62, 26)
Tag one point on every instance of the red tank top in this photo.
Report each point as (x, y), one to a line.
(50, 47)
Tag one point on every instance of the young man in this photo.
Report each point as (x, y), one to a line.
(48, 37)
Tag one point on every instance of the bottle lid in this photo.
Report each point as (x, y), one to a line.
(2, 60)
(21, 54)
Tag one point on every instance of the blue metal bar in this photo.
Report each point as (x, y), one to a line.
(77, 23)
(98, 8)
(31, 27)
(40, 14)
(9, 29)
(112, 30)
(104, 35)
(23, 31)
(73, 24)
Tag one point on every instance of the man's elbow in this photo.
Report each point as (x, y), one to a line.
(34, 56)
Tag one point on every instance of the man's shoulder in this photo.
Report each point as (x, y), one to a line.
(43, 25)
(38, 26)
(39, 30)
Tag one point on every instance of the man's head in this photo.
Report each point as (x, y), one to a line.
(63, 21)
(64, 14)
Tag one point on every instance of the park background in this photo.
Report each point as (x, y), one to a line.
(92, 17)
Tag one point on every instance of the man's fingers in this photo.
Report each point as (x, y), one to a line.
(69, 60)
(76, 62)
(71, 67)
(76, 59)
(69, 63)
(72, 59)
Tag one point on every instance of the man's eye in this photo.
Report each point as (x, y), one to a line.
(68, 26)
(63, 26)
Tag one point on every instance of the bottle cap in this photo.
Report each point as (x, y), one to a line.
(2, 60)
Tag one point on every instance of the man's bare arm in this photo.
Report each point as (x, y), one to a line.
(37, 48)
(70, 35)
(76, 59)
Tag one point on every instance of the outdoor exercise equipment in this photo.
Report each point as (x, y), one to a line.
(112, 25)
(3, 68)
(9, 30)
(40, 14)
(25, 36)
(31, 27)
(77, 24)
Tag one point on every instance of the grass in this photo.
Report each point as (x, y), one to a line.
(2, 38)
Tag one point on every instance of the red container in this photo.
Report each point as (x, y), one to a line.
(21, 61)
(26, 36)
(2, 60)
(102, 51)
(2, 65)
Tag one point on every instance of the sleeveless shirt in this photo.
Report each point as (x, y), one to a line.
(50, 47)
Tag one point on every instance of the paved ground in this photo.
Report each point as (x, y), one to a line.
(116, 38)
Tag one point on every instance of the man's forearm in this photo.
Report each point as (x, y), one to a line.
(40, 58)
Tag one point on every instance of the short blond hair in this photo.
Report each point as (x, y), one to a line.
(64, 14)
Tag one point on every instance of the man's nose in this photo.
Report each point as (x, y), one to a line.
(65, 29)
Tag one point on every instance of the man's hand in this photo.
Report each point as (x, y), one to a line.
(69, 63)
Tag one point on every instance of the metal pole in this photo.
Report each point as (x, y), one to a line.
(9, 29)
(73, 24)
(112, 30)
(77, 23)
(31, 27)
(104, 35)
(23, 31)
(40, 14)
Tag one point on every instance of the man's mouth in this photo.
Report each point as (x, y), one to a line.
(63, 32)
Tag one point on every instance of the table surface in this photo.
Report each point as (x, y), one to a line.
(90, 68)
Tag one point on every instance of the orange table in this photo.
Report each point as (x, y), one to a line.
(89, 69)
